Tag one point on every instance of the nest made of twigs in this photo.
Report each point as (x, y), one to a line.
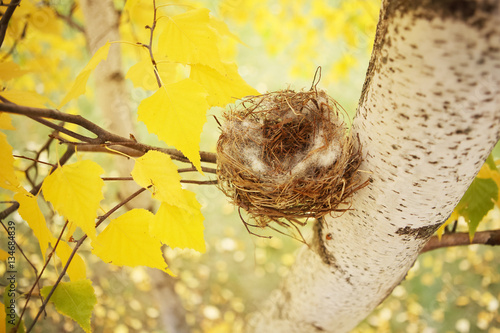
(287, 156)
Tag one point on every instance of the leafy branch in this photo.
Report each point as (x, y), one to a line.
(103, 137)
(77, 246)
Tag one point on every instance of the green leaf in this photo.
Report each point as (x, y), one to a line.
(477, 201)
(74, 299)
(490, 161)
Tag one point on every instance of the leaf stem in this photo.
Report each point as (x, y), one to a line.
(150, 46)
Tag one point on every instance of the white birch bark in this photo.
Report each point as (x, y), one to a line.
(428, 117)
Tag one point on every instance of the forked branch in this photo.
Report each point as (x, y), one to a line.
(103, 137)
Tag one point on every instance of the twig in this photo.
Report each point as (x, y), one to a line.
(116, 178)
(185, 181)
(34, 160)
(19, 248)
(69, 18)
(62, 129)
(14, 45)
(150, 46)
(488, 237)
(199, 182)
(34, 165)
(4, 22)
(39, 276)
(77, 246)
(193, 169)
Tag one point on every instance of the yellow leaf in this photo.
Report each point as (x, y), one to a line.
(75, 191)
(178, 227)
(3, 255)
(157, 169)
(221, 28)
(10, 70)
(142, 74)
(453, 217)
(176, 113)
(8, 179)
(78, 88)
(70, 126)
(5, 121)
(27, 98)
(80, 83)
(126, 242)
(222, 88)
(76, 269)
(45, 20)
(188, 38)
(3, 318)
(31, 213)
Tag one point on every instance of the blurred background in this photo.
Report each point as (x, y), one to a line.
(448, 290)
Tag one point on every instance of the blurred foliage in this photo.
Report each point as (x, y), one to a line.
(448, 290)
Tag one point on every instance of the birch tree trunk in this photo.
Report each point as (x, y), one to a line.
(428, 117)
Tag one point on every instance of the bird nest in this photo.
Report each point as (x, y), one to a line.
(287, 157)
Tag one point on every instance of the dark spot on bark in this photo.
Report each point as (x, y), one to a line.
(116, 76)
(318, 328)
(464, 131)
(395, 147)
(409, 233)
(327, 257)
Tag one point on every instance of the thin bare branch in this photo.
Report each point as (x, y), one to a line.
(39, 276)
(14, 45)
(150, 46)
(199, 182)
(488, 237)
(193, 169)
(69, 19)
(34, 160)
(4, 22)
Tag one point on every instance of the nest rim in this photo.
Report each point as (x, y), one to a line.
(271, 190)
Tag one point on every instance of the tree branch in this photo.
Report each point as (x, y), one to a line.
(103, 136)
(4, 22)
(488, 237)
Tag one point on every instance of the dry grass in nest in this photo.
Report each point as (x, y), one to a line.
(286, 157)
